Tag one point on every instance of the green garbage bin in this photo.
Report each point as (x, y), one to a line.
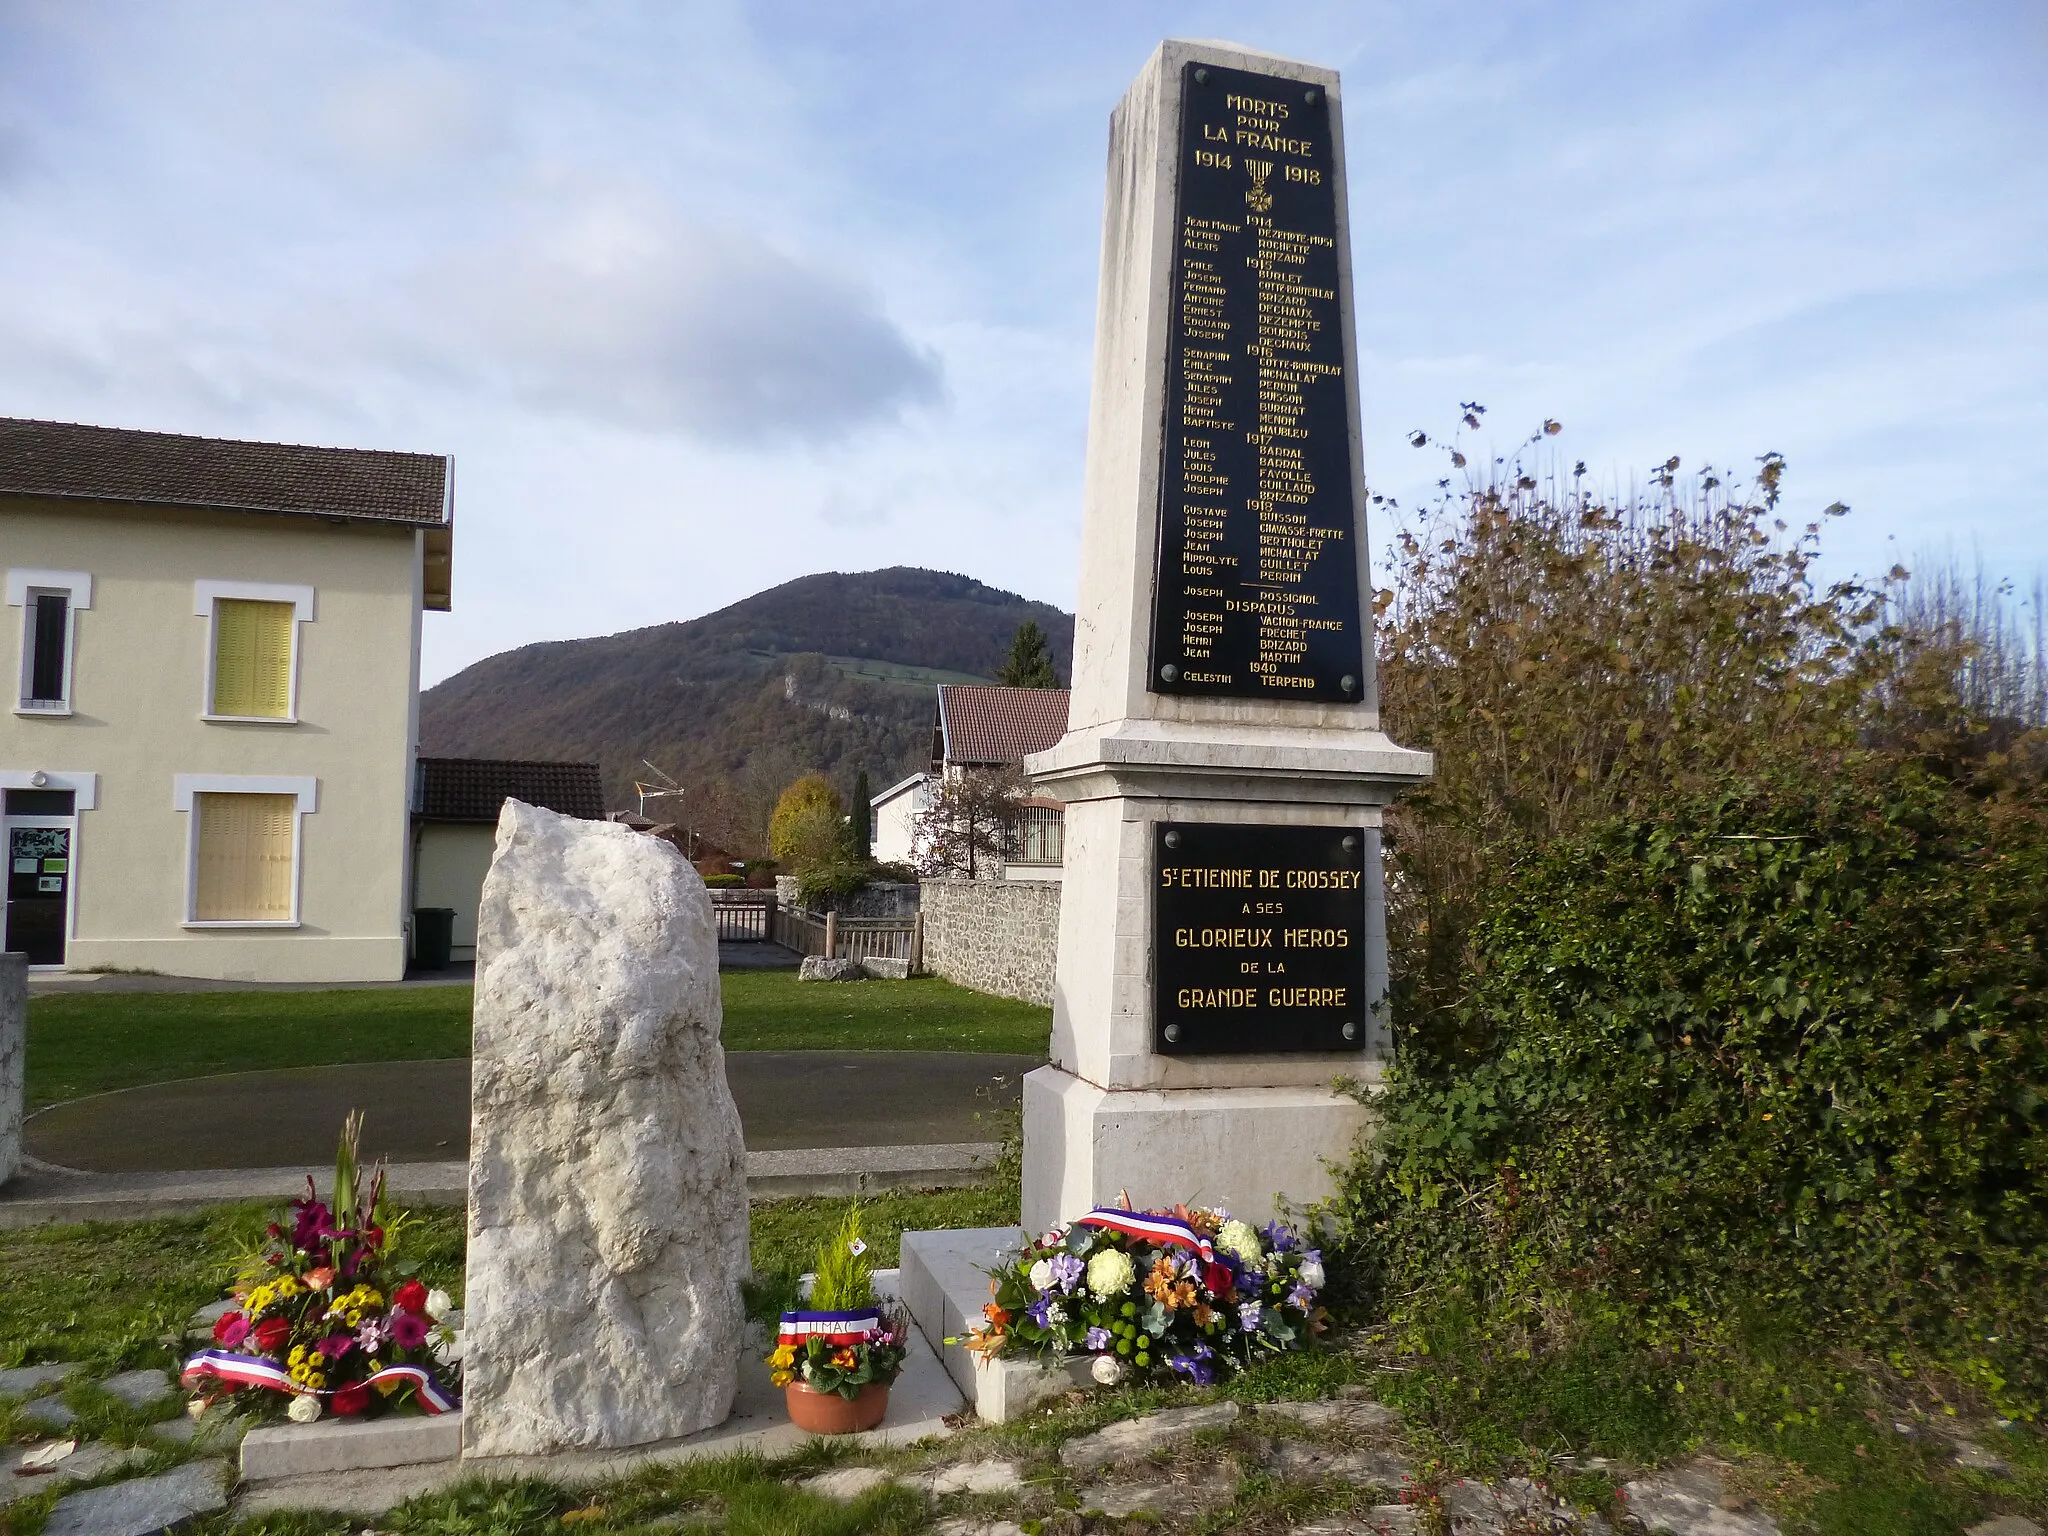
(433, 937)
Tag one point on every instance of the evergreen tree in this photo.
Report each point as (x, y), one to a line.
(863, 818)
(1029, 664)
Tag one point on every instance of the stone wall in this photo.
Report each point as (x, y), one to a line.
(999, 936)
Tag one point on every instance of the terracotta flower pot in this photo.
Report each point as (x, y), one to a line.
(827, 1413)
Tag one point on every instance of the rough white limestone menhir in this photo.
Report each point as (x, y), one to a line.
(13, 1058)
(607, 1178)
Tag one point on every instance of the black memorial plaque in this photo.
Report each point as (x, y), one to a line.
(1258, 939)
(1257, 582)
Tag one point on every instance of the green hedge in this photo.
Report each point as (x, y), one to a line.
(1779, 1052)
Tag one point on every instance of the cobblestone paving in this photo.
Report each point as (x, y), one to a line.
(1335, 1467)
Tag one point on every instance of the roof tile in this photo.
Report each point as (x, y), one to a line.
(476, 788)
(56, 458)
(984, 724)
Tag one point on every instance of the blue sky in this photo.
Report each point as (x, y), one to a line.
(703, 297)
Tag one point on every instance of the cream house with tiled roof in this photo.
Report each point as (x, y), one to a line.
(981, 725)
(213, 647)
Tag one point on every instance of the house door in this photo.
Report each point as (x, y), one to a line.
(38, 887)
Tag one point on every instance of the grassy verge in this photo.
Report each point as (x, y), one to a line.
(84, 1043)
(773, 1011)
(1829, 1443)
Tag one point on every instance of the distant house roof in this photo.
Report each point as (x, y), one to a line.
(476, 788)
(980, 725)
(162, 469)
(894, 790)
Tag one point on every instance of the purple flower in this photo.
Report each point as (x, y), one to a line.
(370, 1335)
(1197, 1367)
(1248, 1317)
(1098, 1339)
(408, 1329)
(1301, 1296)
(1039, 1311)
(335, 1345)
(1067, 1270)
(1279, 1237)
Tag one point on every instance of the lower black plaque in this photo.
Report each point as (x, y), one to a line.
(1258, 939)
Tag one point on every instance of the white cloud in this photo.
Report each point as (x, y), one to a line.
(620, 312)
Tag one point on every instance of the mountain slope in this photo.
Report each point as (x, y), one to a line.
(832, 672)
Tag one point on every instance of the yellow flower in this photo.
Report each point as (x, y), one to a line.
(782, 1378)
(297, 1357)
(784, 1357)
(316, 1358)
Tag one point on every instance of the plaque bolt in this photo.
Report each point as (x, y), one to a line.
(1169, 673)
(1201, 77)
(1350, 843)
(1312, 95)
(1173, 839)
(1350, 1031)
(1173, 1033)
(1348, 683)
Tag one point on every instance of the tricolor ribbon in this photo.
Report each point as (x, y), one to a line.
(855, 1327)
(1169, 1231)
(225, 1365)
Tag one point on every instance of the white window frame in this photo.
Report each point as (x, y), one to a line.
(185, 786)
(24, 584)
(205, 595)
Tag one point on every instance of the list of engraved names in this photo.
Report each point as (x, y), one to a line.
(1258, 577)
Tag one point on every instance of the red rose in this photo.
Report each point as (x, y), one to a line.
(412, 1296)
(1218, 1279)
(351, 1399)
(272, 1334)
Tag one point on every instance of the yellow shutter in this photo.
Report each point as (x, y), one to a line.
(245, 857)
(252, 658)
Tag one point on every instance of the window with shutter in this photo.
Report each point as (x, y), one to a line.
(252, 659)
(245, 858)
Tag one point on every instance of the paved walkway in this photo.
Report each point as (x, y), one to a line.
(418, 1111)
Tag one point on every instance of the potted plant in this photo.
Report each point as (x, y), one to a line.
(835, 1358)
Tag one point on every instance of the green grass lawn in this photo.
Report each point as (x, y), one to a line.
(84, 1043)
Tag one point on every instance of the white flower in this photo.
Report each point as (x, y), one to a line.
(1237, 1237)
(439, 1304)
(305, 1409)
(1110, 1273)
(1055, 1314)
(1107, 1369)
(1312, 1274)
(1041, 1276)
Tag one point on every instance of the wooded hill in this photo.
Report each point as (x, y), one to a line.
(831, 672)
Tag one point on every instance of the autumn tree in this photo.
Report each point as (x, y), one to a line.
(809, 824)
(970, 825)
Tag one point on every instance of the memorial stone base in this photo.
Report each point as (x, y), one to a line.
(1238, 1148)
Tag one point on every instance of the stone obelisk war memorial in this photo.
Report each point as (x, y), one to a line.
(1222, 951)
